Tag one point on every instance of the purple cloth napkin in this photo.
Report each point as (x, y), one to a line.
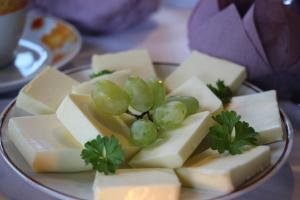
(262, 35)
(100, 16)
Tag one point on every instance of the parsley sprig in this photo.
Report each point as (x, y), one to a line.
(101, 73)
(222, 91)
(230, 134)
(105, 154)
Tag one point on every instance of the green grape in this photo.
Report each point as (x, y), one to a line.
(170, 115)
(110, 98)
(140, 95)
(158, 90)
(143, 132)
(190, 102)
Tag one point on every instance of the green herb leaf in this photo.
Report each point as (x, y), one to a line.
(101, 73)
(105, 154)
(222, 91)
(230, 134)
(228, 118)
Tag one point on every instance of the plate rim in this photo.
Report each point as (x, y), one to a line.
(262, 178)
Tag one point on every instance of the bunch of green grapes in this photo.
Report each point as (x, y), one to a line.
(148, 98)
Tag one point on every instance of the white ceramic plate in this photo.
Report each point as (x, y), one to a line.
(79, 185)
(45, 41)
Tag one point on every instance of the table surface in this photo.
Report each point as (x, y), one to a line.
(164, 35)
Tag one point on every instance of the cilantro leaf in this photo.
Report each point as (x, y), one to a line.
(105, 154)
(230, 134)
(101, 73)
(222, 91)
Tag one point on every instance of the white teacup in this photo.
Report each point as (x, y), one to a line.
(12, 20)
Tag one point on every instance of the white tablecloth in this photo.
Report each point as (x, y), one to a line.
(165, 37)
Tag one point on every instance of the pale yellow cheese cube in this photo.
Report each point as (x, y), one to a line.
(209, 69)
(224, 172)
(118, 77)
(137, 184)
(45, 92)
(178, 144)
(194, 87)
(262, 113)
(79, 115)
(138, 61)
(45, 144)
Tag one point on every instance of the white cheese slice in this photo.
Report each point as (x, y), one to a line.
(178, 144)
(128, 119)
(138, 61)
(262, 113)
(194, 87)
(79, 115)
(45, 144)
(85, 88)
(45, 92)
(137, 184)
(224, 172)
(209, 69)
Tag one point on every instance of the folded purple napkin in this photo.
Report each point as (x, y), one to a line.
(100, 16)
(262, 35)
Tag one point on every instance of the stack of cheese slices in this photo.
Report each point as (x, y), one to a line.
(61, 119)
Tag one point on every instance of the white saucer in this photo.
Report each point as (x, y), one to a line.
(46, 41)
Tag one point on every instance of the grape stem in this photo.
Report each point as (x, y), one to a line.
(141, 116)
(134, 115)
(149, 116)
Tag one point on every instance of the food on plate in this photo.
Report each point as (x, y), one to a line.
(45, 144)
(143, 132)
(105, 154)
(178, 144)
(138, 61)
(194, 87)
(146, 184)
(260, 111)
(45, 92)
(140, 94)
(102, 73)
(231, 134)
(225, 172)
(158, 91)
(222, 91)
(128, 119)
(80, 116)
(190, 102)
(125, 124)
(170, 115)
(85, 88)
(146, 102)
(110, 98)
(209, 69)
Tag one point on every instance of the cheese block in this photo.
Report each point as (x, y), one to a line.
(223, 172)
(262, 113)
(137, 184)
(138, 61)
(128, 119)
(85, 88)
(45, 92)
(177, 145)
(194, 87)
(45, 144)
(209, 69)
(79, 115)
